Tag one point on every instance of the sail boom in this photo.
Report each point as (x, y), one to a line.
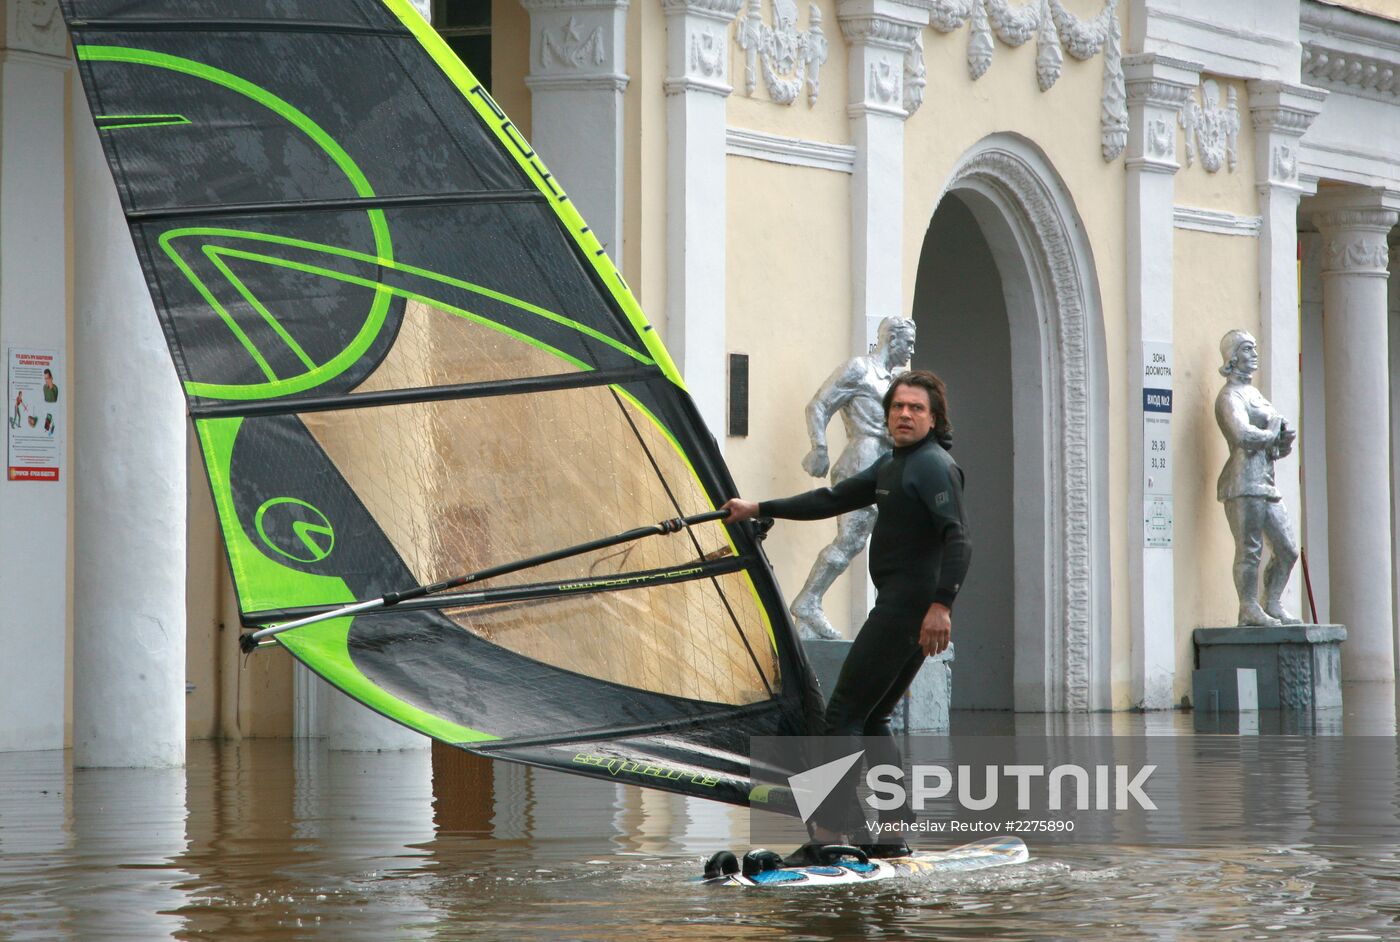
(526, 593)
(394, 397)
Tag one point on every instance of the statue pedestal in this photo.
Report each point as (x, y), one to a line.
(923, 709)
(1296, 666)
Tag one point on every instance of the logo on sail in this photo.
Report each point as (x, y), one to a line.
(295, 529)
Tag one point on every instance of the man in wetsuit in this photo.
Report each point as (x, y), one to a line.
(919, 554)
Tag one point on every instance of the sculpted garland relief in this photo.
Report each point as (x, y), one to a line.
(1054, 29)
(789, 58)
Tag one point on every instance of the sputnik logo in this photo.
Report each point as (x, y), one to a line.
(810, 788)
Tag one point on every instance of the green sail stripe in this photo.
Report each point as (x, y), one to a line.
(266, 583)
(214, 256)
(406, 293)
(326, 646)
(480, 100)
(139, 121)
(225, 316)
(383, 246)
(167, 239)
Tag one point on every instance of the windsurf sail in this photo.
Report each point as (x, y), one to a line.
(407, 357)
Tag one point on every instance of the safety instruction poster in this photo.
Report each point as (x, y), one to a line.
(36, 407)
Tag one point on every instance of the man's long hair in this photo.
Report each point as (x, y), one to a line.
(937, 399)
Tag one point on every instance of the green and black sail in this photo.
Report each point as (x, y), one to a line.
(407, 357)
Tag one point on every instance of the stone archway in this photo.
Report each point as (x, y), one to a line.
(1059, 417)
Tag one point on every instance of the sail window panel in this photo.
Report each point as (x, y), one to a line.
(364, 13)
(701, 640)
(463, 485)
(270, 305)
(259, 123)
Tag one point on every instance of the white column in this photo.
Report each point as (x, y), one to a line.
(1157, 87)
(578, 73)
(1392, 315)
(1355, 258)
(129, 492)
(697, 69)
(880, 34)
(33, 316)
(1312, 429)
(1281, 113)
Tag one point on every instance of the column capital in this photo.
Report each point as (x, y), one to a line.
(1280, 113)
(887, 74)
(1284, 109)
(35, 27)
(881, 23)
(1355, 224)
(1157, 87)
(697, 39)
(577, 44)
(722, 11)
(1156, 81)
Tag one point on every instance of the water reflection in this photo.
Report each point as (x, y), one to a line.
(273, 840)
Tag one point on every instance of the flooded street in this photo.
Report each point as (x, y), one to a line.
(278, 839)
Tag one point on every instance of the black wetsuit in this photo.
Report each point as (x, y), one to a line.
(919, 553)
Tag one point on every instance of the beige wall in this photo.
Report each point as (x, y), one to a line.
(788, 301)
(1216, 288)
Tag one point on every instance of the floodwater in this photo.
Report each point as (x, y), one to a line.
(274, 840)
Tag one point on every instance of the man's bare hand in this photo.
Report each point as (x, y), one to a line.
(937, 629)
(740, 510)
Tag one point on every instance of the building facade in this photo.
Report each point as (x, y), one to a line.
(1073, 199)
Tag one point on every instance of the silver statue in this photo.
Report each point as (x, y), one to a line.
(1258, 436)
(856, 390)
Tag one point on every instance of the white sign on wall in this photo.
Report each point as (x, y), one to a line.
(35, 407)
(1157, 443)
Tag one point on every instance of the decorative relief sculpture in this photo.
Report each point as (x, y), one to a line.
(856, 390)
(572, 49)
(707, 54)
(1161, 138)
(915, 75)
(1258, 436)
(1359, 251)
(1212, 129)
(1054, 28)
(1285, 163)
(790, 57)
(1350, 70)
(884, 83)
(37, 26)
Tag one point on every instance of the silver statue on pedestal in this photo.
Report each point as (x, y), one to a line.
(1258, 436)
(856, 390)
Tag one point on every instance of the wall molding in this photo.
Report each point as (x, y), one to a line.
(795, 152)
(1212, 220)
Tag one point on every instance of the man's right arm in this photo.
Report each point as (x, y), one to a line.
(854, 492)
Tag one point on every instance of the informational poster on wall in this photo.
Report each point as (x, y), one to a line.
(36, 387)
(1157, 444)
